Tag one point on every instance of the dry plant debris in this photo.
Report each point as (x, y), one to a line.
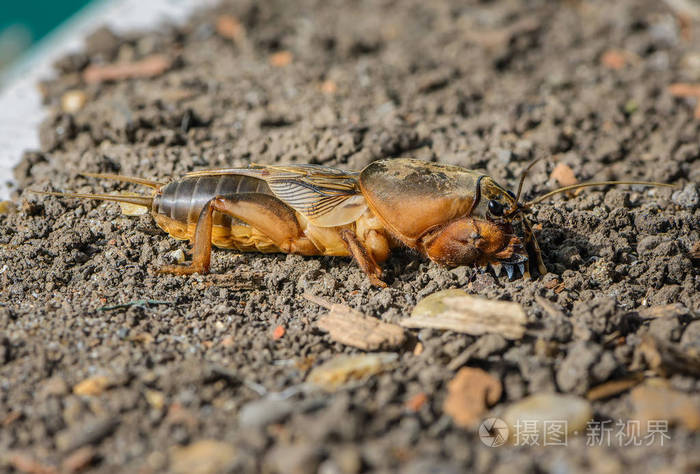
(541, 407)
(680, 89)
(92, 386)
(613, 387)
(666, 359)
(458, 311)
(655, 400)
(470, 393)
(207, 456)
(228, 26)
(564, 175)
(343, 369)
(352, 328)
(150, 66)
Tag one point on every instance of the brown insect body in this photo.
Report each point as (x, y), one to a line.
(452, 215)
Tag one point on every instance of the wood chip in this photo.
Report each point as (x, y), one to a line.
(229, 27)
(457, 311)
(656, 401)
(278, 333)
(564, 175)
(150, 66)
(281, 59)
(680, 89)
(79, 460)
(344, 369)
(614, 387)
(92, 386)
(416, 402)
(695, 252)
(614, 59)
(663, 311)
(24, 462)
(665, 358)
(352, 328)
(328, 87)
(470, 393)
(7, 207)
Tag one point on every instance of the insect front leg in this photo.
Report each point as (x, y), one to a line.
(265, 213)
(363, 257)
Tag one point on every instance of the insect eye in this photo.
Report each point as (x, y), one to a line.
(496, 208)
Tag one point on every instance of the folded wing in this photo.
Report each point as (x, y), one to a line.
(327, 197)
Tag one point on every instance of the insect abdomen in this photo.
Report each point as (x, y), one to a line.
(183, 200)
(178, 205)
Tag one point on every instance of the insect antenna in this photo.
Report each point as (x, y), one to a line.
(539, 199)
(125, 179)
(144, 201)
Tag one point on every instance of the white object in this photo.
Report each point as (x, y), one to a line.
(20, 104)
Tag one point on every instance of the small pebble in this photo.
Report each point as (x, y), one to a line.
(92, 386)
(207, 456)
(550, 408)
(343, 369)
(688, 197)
(263, 412)
(72, 101)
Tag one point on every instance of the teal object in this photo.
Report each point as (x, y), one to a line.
(38, 17)
(22, 24)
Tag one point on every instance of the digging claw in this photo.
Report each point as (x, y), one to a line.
(510, 270)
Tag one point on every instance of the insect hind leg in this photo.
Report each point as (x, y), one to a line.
(264, 212)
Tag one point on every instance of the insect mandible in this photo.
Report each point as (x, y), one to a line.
(452, 215)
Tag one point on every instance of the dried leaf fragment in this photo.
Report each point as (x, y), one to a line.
(342, 369)
(613, 387)
(92, 386)
(656, 401)
(278, 333)
(352, 328)
(228, 26)
(695, 251)
(7, 207)
(416, 402)
(150, 66)
(663, 311)
(569, 414)
(79, 460)
(666, 359)
(206, 456)
(564, 175)
(614, 59)
(680, 89)
(470, 393)
(281, 58)
(460, 312)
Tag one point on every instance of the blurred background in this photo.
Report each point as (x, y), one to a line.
(24, 23)
(33, 35)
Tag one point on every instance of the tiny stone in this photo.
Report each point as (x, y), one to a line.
(546, 407)
(688, 197)
(207, 456)
(263, 412)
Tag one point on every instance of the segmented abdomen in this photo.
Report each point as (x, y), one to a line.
(184, 199)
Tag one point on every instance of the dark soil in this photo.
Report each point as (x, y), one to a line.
(487, 85)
